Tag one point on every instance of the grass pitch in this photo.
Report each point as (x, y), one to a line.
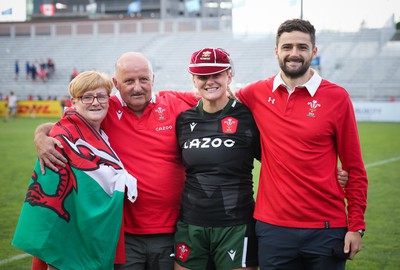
(381, 151)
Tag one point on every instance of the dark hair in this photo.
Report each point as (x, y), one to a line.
(296, 25)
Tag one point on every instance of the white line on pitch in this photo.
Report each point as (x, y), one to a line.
(15, 258)
(382, 162)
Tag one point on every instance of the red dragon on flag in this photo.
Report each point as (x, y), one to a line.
(72, 218)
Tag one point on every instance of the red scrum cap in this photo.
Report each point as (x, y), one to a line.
(209, 61)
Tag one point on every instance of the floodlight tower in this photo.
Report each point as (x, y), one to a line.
(301, 9)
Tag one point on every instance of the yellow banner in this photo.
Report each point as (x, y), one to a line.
(34, 108)
(3, 108)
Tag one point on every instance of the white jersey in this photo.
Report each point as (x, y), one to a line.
(12, 101)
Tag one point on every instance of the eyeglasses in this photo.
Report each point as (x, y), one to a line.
(89, 99)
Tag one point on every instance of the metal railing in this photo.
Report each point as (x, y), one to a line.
(115, 27)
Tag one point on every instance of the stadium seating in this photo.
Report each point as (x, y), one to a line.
(364, 62)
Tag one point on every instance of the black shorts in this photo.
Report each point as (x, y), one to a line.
(148, 252)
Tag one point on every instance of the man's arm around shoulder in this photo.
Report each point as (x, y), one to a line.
(45, 148)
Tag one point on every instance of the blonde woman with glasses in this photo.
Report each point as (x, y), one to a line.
(72, 217)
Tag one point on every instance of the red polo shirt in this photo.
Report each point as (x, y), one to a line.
(302, 136)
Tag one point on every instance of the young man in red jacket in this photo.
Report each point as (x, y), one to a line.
(306, 123)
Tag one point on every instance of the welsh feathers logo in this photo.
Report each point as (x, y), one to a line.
(182, 252)
(313, 107)
(229, 125)
(205, 55)
(160, 114)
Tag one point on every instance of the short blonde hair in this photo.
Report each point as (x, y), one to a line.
(89, 80)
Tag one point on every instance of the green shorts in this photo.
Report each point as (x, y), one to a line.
(228, 247)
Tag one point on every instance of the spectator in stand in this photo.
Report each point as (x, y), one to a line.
(42, 75)
(74, 73)
(16, 70)
(27, 70)
(34, 70)
(41, 69)
(65, 102)
(51, 68)
(42, 64)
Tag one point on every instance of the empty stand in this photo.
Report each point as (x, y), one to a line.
(364, 62)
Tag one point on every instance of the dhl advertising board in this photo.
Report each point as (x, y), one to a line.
(34, 108)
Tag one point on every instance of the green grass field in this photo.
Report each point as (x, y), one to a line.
(381, 151)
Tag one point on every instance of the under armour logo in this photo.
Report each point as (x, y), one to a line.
(232, 254)
(192, 125)
(272, 100)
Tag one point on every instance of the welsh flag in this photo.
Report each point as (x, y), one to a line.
(72, 219)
